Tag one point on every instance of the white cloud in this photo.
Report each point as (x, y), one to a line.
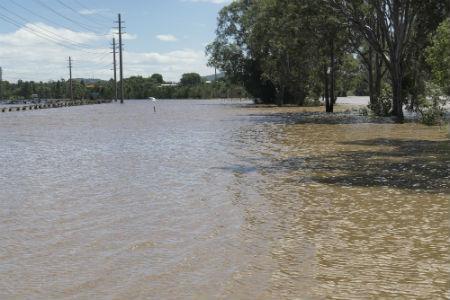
(166, 38)
(88, 12)
(29, 57)
(40, 32)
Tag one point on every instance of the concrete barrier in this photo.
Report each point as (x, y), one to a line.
(53, 104)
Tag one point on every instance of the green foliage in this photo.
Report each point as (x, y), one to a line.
(432, 116)
(157, 78)
(191, 87)
(24, 89)
(287, 51)
(431, 106)
(382, 105)
(312, 101)
(190, 79)
(136, 87)
(279, 49)
(231, 51)
(363, 111)
(438, 56)
(350, 77)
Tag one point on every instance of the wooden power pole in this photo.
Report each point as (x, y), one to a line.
(70, 80)
(121, 58)
(115, 68)
(1, 83)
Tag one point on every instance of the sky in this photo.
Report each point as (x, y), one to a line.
(162, 36)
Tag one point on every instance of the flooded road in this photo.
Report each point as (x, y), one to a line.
(217, 200)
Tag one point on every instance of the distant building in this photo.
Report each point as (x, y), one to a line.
(169, 84)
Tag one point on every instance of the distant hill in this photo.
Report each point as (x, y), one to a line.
(211, 77)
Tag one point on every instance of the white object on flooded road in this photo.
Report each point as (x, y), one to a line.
(154, 103)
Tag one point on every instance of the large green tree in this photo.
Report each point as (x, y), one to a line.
(281, 50)
(157, 78)
(399, 35)
(438, 56)
(232, 51)
(190, 79)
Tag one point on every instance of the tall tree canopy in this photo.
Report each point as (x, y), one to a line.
(284, 51)
(438, 56)
(397, 30)
(191, 79)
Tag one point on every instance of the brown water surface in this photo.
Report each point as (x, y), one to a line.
(218, 200)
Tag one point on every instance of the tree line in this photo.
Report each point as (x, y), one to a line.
(191, 86)
(292, 51)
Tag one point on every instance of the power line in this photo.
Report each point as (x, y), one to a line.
(43, 35)
(88, 64)
(77, 12)
(48, 35)
(30, 30)
(101, 59)
(47, 19)
(65, 17)
(48, 31)
(106, 66)
(89, 9)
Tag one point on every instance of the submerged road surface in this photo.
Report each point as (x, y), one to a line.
(218, 200)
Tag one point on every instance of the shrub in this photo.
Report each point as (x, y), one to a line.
(432, 116)
(431, 105)
(364, 111)
(312, 101)
(383, 104)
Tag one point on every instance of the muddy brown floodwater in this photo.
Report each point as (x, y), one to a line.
(219, 200)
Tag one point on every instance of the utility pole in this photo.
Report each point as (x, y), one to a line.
(115, 68)
(120, 57)
(215, 83)
(1, 83)
(70, 82)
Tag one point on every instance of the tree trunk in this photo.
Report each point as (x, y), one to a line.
(397, 93)
(300, 97)
(396, 67)
(327, 90)
(370, 77)
(379, 58)
(332, 79)
(281, 95)
(378, 75)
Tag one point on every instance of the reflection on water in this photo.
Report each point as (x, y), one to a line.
(209, 199)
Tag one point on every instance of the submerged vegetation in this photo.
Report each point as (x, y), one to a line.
(286, 51)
